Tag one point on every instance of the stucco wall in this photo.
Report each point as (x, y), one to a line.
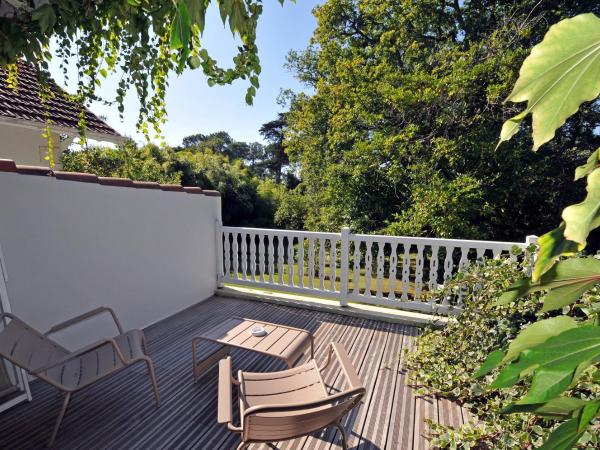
(22, 144)
(71, 246)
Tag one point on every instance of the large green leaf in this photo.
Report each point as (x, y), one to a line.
(45, 16)
(565, 295)
(559, 407)
(583, 217)
(490, 363)
(536, 334)
(181, 28)
(564, 437)
(517, 290)
(567, 280)
(553, 363)
(592, 163)
(552, 245)
(588, 413)
(561, 72)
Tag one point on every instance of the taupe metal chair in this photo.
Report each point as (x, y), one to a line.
(284, 405)
(70, 371)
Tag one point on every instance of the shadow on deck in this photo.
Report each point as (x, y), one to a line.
(120, 413)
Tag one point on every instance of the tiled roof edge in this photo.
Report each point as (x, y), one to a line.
(8, 165)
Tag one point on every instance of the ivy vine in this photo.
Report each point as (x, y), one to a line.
(141, 41)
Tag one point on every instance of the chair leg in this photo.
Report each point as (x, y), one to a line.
(243, 445)
(63, 410)
(153, 378)
(339, 426)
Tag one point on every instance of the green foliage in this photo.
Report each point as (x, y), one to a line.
(247, 201)
(292, 210)
(559, 75)
(147, 163)
(400, 129)
(143, 41)
(561, 72)
(445, 359)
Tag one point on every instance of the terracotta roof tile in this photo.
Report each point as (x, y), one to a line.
(24, 103)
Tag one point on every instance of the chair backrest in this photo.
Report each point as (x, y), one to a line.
(291, 421)
(26, 347)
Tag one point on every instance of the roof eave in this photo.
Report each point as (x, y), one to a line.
(71, 131)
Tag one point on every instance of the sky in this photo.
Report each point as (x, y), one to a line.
(194, 107)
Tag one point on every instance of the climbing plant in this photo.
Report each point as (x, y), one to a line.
(560, 74)
(142, 41)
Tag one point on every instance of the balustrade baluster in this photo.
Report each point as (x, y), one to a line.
(356, 272)
(405, 271)
(332, 264)
(419, 272)
(261, 257)
(236, 256)
(464, 259)
(480, 254)
(280, 251)
(301, 262)
(244, 255)
(271, 244)
(321, 264)
(448, 264)
(290, 260)
(227, 249)
(368, 268)
(311, 263)
(380, 268)
(433, 267)
(252, 256)
(393, 269)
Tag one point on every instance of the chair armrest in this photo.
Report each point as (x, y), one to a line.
(83, 317)
(224, 414)
(345, 363)
(348, 395)
(83, 351)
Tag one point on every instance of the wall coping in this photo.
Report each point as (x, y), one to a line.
(8, 165)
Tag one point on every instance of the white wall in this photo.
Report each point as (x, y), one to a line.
(22, 145)
(71, 246)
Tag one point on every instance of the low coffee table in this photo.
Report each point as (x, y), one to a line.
(281, 341)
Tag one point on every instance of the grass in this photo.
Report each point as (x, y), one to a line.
(327, 280)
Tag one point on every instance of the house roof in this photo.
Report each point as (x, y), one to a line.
(24, 104)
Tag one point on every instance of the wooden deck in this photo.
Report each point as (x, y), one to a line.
(119, 412)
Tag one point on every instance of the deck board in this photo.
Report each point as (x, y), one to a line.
(119, 412)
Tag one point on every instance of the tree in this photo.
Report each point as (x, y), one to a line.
(144, 40)
(400, 133)
(246, 200)
(276, 158)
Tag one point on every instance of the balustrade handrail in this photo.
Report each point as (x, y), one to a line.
(280, 232)
(393, 271)
(438, 241)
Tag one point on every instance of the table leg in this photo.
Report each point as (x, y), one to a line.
(202, 365)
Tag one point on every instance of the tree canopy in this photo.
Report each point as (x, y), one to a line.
(142, 40)
(400, 133)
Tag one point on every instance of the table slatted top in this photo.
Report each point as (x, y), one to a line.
(280, 341)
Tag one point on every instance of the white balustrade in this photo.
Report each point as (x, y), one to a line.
(406, 269)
